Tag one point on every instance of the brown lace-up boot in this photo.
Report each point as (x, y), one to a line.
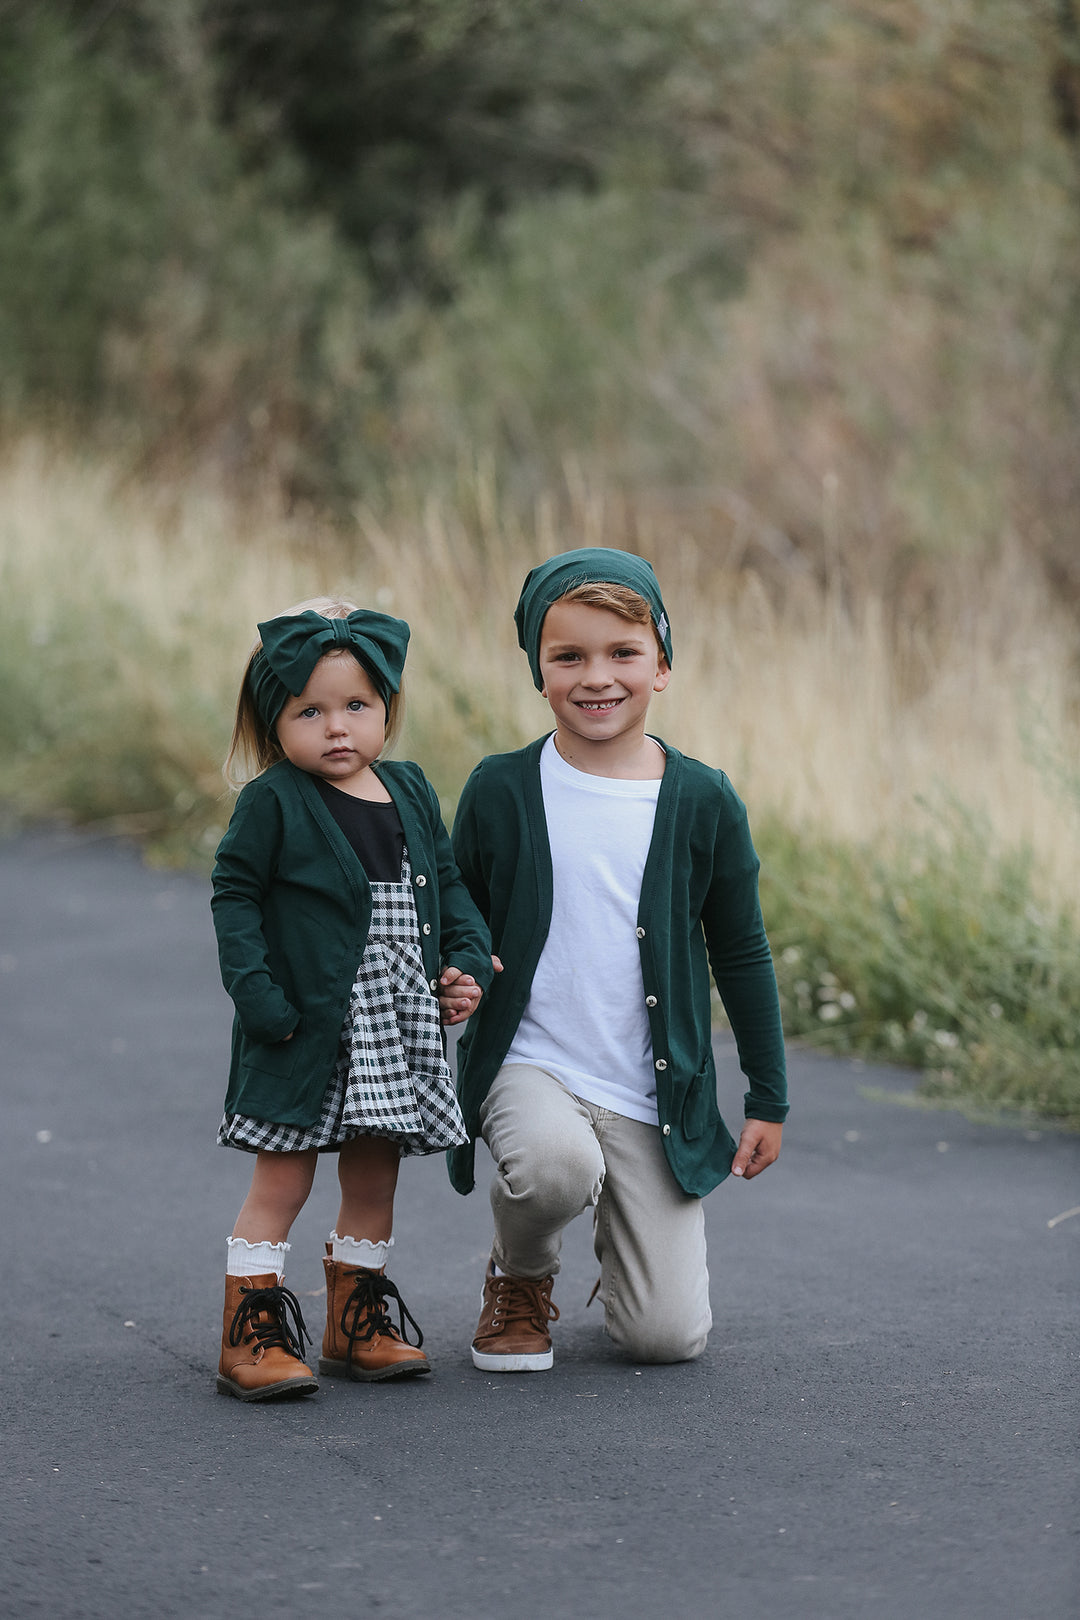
(262, 1353)
(360, 1340)
(512, 1335)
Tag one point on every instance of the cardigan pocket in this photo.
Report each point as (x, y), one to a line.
(700, 1111)
(278, 1058)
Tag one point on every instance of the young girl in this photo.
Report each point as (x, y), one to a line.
(336, 899)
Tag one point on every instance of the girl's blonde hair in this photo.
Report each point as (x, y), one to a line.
(254, 747)
(620, 599)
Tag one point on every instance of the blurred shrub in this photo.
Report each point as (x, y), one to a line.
(718, 255)
(940, 951)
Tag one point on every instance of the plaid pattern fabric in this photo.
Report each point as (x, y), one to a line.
(391, 1078)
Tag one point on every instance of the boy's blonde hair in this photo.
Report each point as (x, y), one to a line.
(620, 599)
(254, 746)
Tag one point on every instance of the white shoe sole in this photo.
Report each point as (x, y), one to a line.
(534, 1363)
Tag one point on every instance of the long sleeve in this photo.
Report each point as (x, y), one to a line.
(241, 880)
(742, 969)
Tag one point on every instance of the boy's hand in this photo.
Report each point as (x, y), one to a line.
(459, 995)
(759, 1145)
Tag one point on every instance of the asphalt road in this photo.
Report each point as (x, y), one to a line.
(884, 1424)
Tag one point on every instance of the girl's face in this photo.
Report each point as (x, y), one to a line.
(336, 727)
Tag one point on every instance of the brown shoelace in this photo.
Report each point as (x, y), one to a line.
(523, 1300)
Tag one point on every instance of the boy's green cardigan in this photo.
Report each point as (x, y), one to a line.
(698, 906)
(292, 907)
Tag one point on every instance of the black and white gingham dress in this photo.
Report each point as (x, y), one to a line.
(391, 1078)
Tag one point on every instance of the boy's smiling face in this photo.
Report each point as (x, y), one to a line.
(600, 672)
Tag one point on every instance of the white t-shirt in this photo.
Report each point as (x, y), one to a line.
(585, 1021)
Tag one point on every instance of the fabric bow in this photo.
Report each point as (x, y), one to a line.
(293, 644)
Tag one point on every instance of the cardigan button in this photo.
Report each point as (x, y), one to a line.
(667, 1130)
(650, 1001)
(434, 983)
(421, 880)
(661, 1064)
(641, 933)
(426, 928)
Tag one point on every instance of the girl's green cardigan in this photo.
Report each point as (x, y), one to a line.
(292, 907)
(698, 907)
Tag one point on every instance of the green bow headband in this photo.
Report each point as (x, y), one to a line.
(590, 565)
(293, 644)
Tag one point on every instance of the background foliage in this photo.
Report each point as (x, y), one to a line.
(402, 295)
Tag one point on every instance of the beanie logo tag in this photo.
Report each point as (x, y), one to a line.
(662, 626)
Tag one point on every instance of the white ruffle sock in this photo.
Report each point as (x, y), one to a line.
(360, 1251)
(255, 1259)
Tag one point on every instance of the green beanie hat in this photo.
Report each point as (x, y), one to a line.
(591, 565)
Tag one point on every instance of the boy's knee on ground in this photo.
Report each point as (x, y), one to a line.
(656, 1335)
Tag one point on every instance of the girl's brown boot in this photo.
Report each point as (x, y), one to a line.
(261, 1352)
(360, 1340)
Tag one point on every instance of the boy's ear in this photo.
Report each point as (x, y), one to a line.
(663, 675)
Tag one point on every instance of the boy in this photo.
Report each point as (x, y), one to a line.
(612, 872)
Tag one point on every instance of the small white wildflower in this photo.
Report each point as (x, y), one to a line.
(919, 1019)
(791, 955)
(846, 1000)
(827, 978)
(995, 1009)
(946, 1038)
(828, 1011)
(894, 1035)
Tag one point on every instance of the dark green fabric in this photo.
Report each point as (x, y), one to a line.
(292, 907)
(293, 643)
(698, 908)
(587, 566)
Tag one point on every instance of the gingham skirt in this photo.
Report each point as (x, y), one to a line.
(391, 1078)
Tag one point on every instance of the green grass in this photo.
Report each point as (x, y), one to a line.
(938, 953)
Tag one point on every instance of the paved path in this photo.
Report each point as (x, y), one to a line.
(884, 1424)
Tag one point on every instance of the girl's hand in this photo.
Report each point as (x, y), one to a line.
(459, 995)
(759, 1145)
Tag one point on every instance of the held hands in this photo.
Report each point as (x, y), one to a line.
(459, 993)
(759, 1145)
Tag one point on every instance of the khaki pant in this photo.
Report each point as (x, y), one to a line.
(556, 1156)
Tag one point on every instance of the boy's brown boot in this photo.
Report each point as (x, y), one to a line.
(360, 1340)
(262, 1354)
(512, 1335)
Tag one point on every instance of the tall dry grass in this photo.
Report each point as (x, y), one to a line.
(910, 775)
(833, 711)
